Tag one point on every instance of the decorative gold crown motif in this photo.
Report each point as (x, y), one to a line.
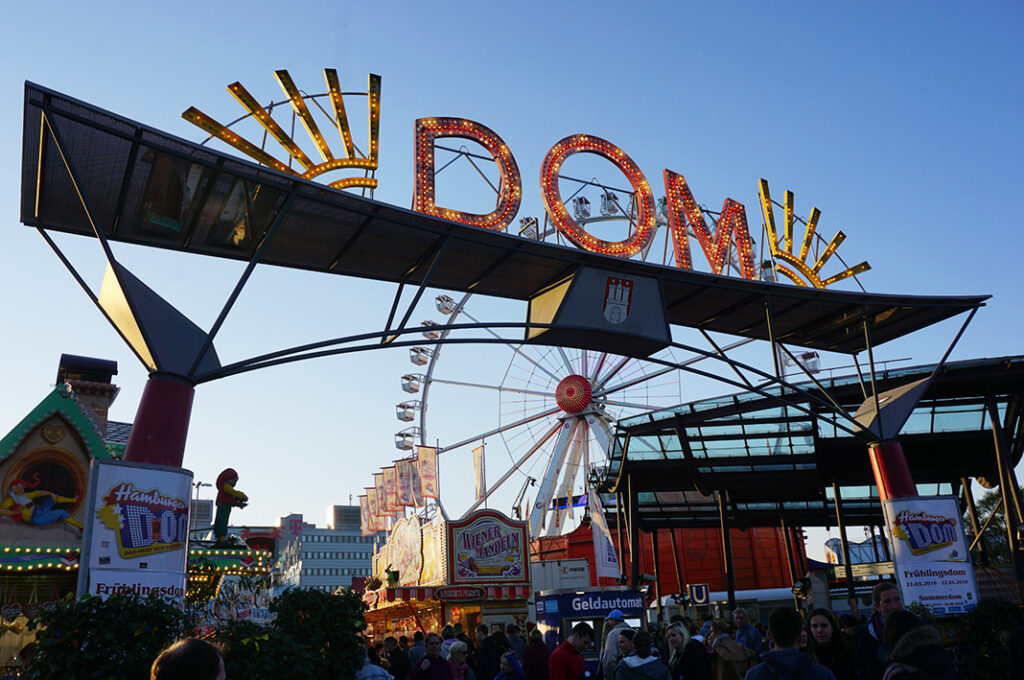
(784, 251)
(352, 159)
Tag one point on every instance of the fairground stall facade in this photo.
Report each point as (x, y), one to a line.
(470, 571)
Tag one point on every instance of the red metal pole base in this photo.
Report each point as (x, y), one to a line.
(892, 475)
(161, 423)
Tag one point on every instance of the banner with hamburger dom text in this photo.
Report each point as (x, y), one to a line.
(136, 530)
(930, 553)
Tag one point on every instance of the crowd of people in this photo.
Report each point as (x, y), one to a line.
(892, 644)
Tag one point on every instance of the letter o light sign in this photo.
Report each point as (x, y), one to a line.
(549, 169)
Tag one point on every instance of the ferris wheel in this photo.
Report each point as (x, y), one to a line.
(557, 410)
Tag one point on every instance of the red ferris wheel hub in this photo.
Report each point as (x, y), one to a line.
(573, 393)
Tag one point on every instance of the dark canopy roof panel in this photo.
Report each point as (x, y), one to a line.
(147, 187)
(768, 455)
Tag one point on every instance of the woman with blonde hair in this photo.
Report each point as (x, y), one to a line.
(687, 658)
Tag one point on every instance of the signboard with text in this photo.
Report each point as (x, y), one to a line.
(930, 555)
(136, 530)
(487, 547)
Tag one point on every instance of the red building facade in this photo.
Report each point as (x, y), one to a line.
(759, 557)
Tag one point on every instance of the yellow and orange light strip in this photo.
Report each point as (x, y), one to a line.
(250, 104)
(302, 111)
(639, 238)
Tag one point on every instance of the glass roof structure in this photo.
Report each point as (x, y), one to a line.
(776, 458)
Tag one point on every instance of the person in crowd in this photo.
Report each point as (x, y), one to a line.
(746, 634)
(626, 643)
(403, 644)
(848, 623)
(729, 659)
(418, 649)
(372, 668)
(509, 668)
(917, 651)
(517, 643)
(459, 655)
(501, 642)
(870, 653)
(432, 666)
(486, 654)
(614, 624)
(398, 662)
(447, 639)
(786, 660)
(537, 653)
(828, 646)
(189, 659)
(566, 662)
(803, 641)
(687, 658)
(641, 665)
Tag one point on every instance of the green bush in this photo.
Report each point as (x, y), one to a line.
(315, 635)
(92, 638)
(986, 632)
(256, 652)
(327, 625)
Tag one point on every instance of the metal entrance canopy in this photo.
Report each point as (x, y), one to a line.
(147, 187)
(774, 460)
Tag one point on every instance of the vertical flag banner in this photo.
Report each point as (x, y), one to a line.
(403, 470)
(391, 490)
(606, 563)
(382, 499)
(479, 472)
(426, 460)
(373, 508)
(365, 524)
(414, 469)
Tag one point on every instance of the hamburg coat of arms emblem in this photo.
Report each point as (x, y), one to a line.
(618, 297)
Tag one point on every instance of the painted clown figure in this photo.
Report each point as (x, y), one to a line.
(26, 504)
(227, 497)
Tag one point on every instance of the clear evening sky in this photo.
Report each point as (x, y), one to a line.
(899, 121)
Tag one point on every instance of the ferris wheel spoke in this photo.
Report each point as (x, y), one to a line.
(498, 388)
(515, 348)
(500, 429)
(597, 369)
(547, 485)
(626, 404)
(515, 466)
(565, 360)
(598, 384)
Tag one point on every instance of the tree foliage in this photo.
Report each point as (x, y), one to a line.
(110, 639)
(995, 535)
(986, 632)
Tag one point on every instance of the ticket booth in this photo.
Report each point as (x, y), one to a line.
(559, 610)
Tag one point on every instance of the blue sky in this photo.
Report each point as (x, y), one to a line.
(900, 121)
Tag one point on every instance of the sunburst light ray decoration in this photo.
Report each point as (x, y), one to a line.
(783, 252)
(352, 159)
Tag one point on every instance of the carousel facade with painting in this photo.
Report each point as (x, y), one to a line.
(470, 571)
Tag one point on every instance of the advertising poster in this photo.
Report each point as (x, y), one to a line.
(405, 550)
(487, 547)
(606, 562)
(426, 461)
(404, 470)
(391, 490)
(930, 555)
(479, 472)
(136, 530)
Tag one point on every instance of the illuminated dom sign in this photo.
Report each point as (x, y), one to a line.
(684, 215)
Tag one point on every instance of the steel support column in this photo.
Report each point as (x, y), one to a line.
(972, 510)
(657, 574)
(851, 594)
(634, 535)
(1008, 496)
(161, 422)
(730, 577)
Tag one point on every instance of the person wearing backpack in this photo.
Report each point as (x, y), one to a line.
(729, 659)
(786, 661)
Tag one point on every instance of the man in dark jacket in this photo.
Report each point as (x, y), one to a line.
(432, 666)
(870, 653)
(485, 655)
(399, 665)
(787, 661)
